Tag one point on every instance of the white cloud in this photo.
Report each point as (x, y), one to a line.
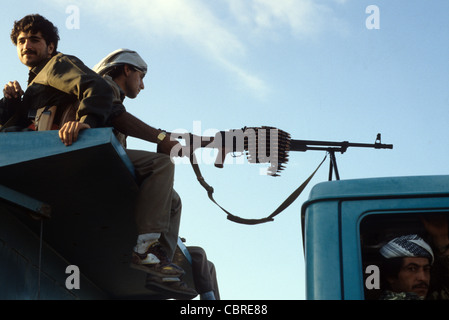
(192, 21)
(304, 18)
(196, 23)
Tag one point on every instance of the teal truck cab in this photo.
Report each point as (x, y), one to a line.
(344, 223)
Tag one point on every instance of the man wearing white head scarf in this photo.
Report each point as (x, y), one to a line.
(414, 269)
(158, 207)
(407, 246)
(121, 57)
(412, 278)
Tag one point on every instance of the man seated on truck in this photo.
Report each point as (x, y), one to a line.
(158, 206)
(55, 79)
(411, 269)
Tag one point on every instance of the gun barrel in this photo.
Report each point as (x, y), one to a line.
(304, 145)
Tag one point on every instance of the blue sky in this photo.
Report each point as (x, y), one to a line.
(311, 68)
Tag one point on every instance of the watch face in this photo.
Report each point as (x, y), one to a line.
(161, 136)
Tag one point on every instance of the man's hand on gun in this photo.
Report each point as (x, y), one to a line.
(170, 147)
(190, 143)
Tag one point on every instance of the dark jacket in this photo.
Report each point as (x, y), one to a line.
(62, 80)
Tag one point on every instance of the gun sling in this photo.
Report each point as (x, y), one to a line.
(234, 218)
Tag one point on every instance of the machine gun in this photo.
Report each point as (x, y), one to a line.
(271, 145)
(264, 145)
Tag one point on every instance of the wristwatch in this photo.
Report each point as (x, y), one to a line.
(161, 136)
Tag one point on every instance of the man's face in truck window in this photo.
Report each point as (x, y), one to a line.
(414, 276)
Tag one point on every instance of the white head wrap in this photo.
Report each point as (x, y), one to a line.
(120, 57)
(407, 246)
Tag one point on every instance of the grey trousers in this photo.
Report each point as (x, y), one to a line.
(204, 273)
(158, 206)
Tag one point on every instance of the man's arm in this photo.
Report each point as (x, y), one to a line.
(69, 74)
(437, 227)
(129, 125)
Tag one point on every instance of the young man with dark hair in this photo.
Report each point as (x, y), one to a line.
(33, 24)
(54, 79)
